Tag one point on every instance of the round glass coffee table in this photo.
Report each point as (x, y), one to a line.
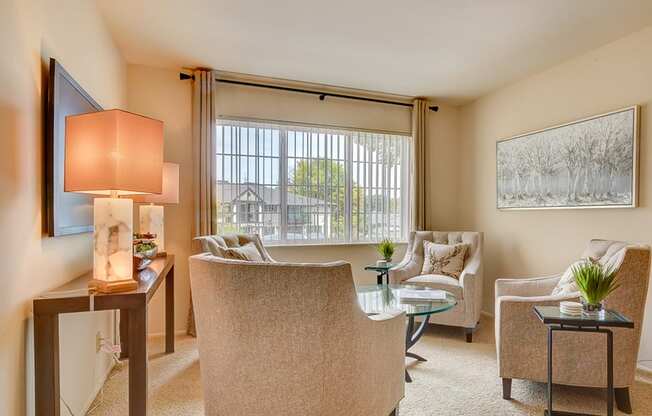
(375, 299)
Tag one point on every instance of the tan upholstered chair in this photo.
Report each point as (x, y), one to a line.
(216, 244)
(579, 359)
(468, 289)
(291, 339)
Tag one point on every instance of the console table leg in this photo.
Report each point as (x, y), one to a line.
(124, 333)
(610, 373)
(46, 364)
(138, 361)
(550, 371)
(169, 311)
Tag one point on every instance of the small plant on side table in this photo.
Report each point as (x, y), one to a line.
(386, 249)
(595, 282)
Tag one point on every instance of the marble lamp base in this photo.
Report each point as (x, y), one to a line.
(113, 245)
(151, 221)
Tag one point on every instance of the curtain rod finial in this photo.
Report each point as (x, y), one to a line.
(184, 77)
(434, 108)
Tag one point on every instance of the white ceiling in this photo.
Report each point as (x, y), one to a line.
(448, 49)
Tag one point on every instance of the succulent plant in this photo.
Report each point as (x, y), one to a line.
(386, 249)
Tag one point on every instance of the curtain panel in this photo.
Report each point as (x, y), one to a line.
(204, 170)
(203, 135)
(418, 180)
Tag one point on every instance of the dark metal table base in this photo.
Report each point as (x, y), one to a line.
(610, 368)
(412, 335)
(382, 276)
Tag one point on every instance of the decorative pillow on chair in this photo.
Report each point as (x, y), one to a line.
(444, 259)
(247, 252)
(566, 284)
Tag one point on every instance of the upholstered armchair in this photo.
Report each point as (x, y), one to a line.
(291, 339)
(579, 358)
(217, 245)
(467, 289)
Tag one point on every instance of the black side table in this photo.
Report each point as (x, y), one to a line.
(383, 271)
(557, 321)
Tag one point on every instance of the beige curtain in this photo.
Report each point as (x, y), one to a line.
(418, 180)
(203, 137)
(204, 179)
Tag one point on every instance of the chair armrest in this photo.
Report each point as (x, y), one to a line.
(380, 356)
(406, 269)
(515, 320)
(537, 286)
(471, 270)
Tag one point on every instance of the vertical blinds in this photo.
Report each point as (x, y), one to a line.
(293, 183)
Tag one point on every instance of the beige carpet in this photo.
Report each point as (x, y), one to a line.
(458, 379)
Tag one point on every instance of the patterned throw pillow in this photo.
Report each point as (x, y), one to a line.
(444, 259)
(247, 252)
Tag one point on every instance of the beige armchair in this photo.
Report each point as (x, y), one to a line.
(579, 359)
(291, 339)
(468, 289)
(215, 245)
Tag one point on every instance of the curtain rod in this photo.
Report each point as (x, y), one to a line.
(322, 94)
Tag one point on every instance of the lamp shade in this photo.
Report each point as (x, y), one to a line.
(170, 194)
(113, 150)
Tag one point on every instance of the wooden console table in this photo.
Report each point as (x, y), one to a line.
(133, 331)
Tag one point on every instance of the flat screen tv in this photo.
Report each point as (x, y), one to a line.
(67, 212)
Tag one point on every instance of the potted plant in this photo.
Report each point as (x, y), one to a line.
(386, 249)
(595, 282)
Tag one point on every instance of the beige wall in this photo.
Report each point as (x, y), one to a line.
(159, 93)
(32, 31)
(520, 243)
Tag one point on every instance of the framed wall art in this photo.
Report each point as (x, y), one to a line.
(588, 163)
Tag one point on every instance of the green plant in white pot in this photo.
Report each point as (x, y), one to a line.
(386, 249)
(595, 282)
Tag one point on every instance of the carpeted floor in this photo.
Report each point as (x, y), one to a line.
(458, 379)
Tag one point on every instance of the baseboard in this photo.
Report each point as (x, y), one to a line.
(644, 372)
(98, 388)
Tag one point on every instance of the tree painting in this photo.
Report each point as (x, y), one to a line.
(588, 163)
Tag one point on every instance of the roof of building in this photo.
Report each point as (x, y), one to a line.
(268, 194)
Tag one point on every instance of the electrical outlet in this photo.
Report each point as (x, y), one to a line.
(98, 341)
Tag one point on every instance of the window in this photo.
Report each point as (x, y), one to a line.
(299, 184)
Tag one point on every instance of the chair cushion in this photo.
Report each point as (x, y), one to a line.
(444, 259)
(608, 253)
(212, 244)
(566, 284)
(438, 281)
(247, 252)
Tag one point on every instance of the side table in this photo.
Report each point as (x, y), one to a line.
(74, 297)
(557, 321)
(383, 271)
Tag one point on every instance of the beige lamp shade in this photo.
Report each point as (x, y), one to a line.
(113, 150)
(170, 194)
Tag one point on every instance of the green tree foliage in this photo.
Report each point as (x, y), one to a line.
(326, 180)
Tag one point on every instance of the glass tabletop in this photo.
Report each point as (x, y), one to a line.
(606, 317)
(380, 268)
(374, 299)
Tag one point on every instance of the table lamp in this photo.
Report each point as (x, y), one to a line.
(113, 153)
(151, 216)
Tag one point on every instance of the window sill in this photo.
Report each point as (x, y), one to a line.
(324, 244)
